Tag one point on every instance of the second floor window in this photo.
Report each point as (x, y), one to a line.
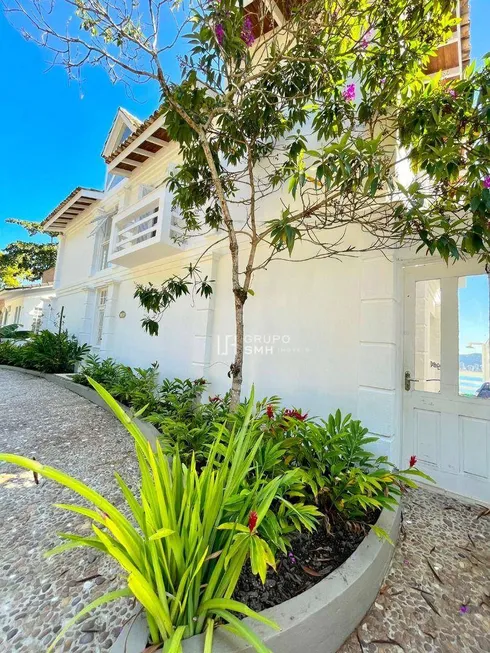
(102, 242)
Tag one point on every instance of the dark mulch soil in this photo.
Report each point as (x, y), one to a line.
(312, 557)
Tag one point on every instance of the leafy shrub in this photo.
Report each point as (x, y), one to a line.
(188, 537)
(137, 388)
(106, 372)
(49, 352)
(346, 480)
(335, 471)
(53, 353)
(10, 354)
(185, 423)
(12, 331)
(179, 398)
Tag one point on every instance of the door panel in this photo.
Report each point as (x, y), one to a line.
(474, 434)
(446, 406)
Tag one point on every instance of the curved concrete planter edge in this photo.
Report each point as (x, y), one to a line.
(318, 620)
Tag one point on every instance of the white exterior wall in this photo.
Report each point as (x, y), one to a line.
(322, 335)
(29, 301)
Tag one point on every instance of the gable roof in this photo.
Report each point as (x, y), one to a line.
(142, 127)
(123, 119)
(76, 202)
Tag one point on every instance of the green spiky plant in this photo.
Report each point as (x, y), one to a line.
(182, 549)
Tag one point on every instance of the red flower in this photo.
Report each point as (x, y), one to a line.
(252, 521)
(214, 400)
(413, 461)
(270, 411)
(290, 412)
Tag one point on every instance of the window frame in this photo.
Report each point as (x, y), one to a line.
(17, 314)
(101, 298)
(103, 242)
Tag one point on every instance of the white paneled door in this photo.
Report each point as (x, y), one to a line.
(446, 395)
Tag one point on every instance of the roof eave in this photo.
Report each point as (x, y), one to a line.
(87, 193)
(134, 148)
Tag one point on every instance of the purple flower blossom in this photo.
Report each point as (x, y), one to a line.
(366, 39)
(291, 557)
(464, 609)
(486, 182)
(247, 34)
(219, 31)
(452, 93)
(382, 81)
(349, 93)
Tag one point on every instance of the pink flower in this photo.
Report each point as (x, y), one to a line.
(486, 182)
(247, 34)
(219, 31)
(349, 93)
(252, 521)
(382, 81)
(413, 461)
(452, 93)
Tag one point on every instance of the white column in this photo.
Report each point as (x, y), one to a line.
(59, 262)
(203, 321)
(110, 316)
(379, 353)
(86, 328)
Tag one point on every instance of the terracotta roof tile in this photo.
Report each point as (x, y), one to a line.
(142, 127)
(67, 201)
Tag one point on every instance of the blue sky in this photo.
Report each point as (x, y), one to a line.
(473, 313)
(53, 130)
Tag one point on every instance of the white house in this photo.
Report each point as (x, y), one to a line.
(32, 307)
(374, 335)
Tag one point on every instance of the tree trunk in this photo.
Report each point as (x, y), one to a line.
(236, 368)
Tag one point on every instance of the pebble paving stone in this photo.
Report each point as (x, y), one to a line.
(435, 599)
(38, 595)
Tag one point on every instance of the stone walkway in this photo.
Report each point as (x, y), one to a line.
(38, 595)
(436, 597)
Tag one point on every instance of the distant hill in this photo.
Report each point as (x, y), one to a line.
(470, 359)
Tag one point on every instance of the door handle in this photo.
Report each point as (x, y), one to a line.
(409, 380)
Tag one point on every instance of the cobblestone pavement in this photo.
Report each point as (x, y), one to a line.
(436, 597)
(39, 595)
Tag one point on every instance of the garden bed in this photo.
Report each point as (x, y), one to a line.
(279, 477)
(317, 620)
(313, 556)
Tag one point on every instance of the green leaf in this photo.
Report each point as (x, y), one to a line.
(236, 606)
(161, 533)
(243, 631)
(102, 600)
(382, 534)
